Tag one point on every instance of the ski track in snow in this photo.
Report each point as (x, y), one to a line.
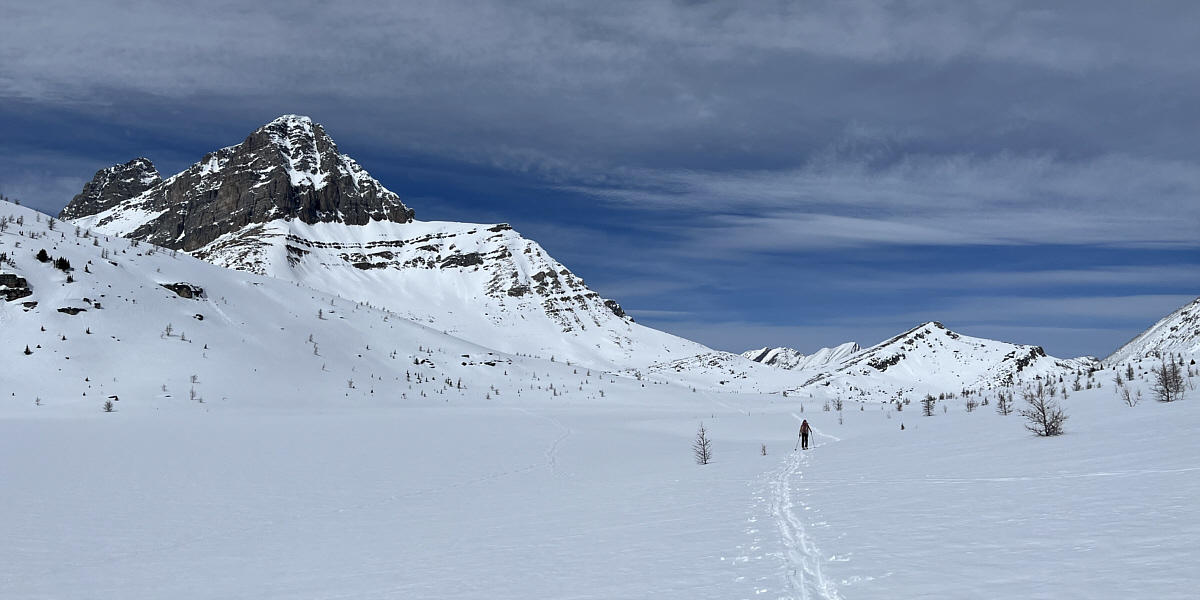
(551, 453)
(719, 403)
(801, 556)
(213, 303)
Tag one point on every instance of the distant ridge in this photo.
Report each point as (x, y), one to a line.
(932, 358)
(787, 358)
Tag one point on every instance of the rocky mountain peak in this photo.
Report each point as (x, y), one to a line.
(287, 169)
(111, 186)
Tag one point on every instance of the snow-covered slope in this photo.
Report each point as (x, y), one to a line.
(286, 204)
(248, 338)
(1177, 333)
(787, 358)
(484, 283)
(932, 359)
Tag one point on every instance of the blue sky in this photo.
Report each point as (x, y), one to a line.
(740, 173)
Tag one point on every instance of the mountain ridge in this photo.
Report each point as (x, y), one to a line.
(905, 364)
(287, 204)
(788, 358)
(1176, 333)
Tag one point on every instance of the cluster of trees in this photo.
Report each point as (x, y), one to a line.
(1167, 381)
(60, 263)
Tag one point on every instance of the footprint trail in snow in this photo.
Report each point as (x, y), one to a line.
(801, 556)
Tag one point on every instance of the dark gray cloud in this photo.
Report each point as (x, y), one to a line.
(577, 88)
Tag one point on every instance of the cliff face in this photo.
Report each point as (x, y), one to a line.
(287, 169)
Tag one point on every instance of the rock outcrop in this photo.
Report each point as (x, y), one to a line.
(112, 186)
(13, 287)
(185, 290)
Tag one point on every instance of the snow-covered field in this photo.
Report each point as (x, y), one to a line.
(597, 500)
(352, 453)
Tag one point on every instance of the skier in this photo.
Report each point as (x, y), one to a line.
(804, 429)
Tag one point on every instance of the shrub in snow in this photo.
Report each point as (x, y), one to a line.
(1127, 397)
(927, 405)
(1043, 416)
(1168, 382)
(108, 406)
(702, 447)
(1004, 403)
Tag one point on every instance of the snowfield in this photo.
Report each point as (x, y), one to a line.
(528, 499)
(354, 453)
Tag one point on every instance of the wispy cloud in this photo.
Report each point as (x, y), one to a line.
(1112, 200)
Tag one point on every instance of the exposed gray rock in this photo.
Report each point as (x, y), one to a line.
(111, 187)
(462, 260)
(185, 290)
(288, 169)
(13, 287)
(616, 309)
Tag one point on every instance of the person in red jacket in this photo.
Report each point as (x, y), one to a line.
(804, 429)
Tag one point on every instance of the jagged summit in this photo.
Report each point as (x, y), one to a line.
(287, 169)
(1177, 333)
(782, 357)
(787, 358)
